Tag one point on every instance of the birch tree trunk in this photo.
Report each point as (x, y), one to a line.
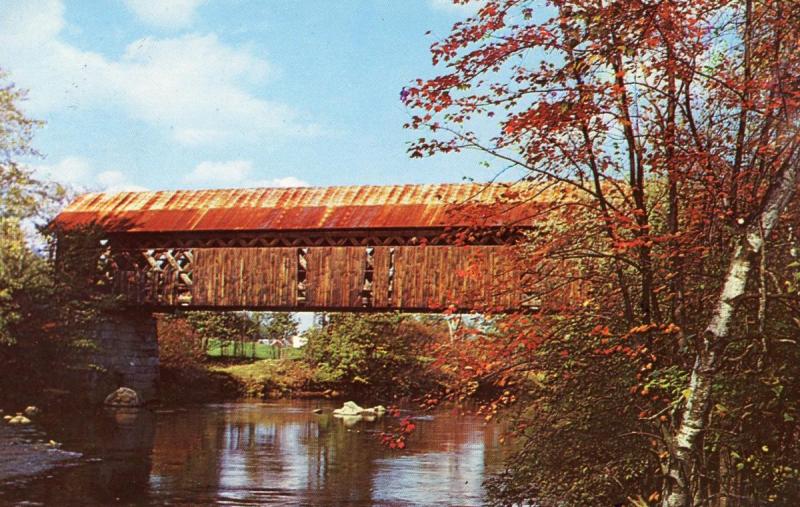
(747, 245)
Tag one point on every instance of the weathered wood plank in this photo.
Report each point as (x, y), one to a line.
(380, 277)
(425, 278)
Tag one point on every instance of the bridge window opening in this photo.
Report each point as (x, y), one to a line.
(369, 271)
(154, 282)
(181, 261)
(153, 276)
(302, 276)
(390, 282)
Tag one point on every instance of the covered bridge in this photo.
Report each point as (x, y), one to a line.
(356, 248)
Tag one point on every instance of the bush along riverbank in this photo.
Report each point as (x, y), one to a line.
(379, 356)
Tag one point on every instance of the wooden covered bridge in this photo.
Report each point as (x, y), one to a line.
(415, 248)
(360, 248)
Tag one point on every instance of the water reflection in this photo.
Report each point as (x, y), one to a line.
(270, 453)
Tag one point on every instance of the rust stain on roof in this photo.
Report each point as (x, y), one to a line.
(305, 208)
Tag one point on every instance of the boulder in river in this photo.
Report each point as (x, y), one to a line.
(32, 411)
(123, 397)
(350, 420)
(350, 408)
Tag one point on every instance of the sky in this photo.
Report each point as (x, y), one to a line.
(168, 94)
(155, 94)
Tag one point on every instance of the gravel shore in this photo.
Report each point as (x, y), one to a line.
(25, 452)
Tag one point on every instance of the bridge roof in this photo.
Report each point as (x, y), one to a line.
(305, 208)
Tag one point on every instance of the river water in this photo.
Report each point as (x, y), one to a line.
(271, 453)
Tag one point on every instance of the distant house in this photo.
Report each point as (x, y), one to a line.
(296, 341)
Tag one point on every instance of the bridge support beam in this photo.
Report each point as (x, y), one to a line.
(126, 355)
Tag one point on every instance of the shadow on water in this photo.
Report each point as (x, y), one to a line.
(263, 453)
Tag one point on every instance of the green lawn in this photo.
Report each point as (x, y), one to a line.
(269, 377)
(219, 348)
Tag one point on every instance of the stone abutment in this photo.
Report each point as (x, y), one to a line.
(126, 355)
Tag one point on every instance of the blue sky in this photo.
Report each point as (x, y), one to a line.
(157, 94)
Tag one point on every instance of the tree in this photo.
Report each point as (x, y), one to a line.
(22, 198)
(227, 328)
(373, 354)
(280, 327)
(46, 315)
(664, 136)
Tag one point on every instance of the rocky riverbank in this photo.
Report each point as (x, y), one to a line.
(25, 451)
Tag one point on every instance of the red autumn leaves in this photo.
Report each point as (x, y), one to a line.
(397, 438)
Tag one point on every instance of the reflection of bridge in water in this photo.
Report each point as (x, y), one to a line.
(373, 248)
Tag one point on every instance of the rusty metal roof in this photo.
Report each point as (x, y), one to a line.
(302, 208)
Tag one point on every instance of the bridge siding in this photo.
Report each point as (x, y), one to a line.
(425, 277)
(380, 281)
(335, 276)
(245, 277)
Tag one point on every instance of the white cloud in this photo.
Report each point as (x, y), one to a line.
(193, 87)
(116, 181)
(285, 182)
(78, 173)
(165, 13)
(235, 174)
(57, 74)
(231, 172)
(68, 171)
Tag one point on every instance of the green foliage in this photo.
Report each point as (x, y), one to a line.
(23, 199)
(48, 303)
(372, 354)
(234, 334)
(752, 438)
(21, 273)
(575, 439)
(223, 325)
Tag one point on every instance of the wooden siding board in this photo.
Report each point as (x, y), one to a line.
(243, 277)
(401, 288)
(380, 277)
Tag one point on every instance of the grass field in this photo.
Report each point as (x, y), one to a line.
(254, 350)
(269, 377)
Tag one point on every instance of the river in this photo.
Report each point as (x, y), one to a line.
(270, 453)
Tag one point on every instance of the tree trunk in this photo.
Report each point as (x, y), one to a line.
(747, 244)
